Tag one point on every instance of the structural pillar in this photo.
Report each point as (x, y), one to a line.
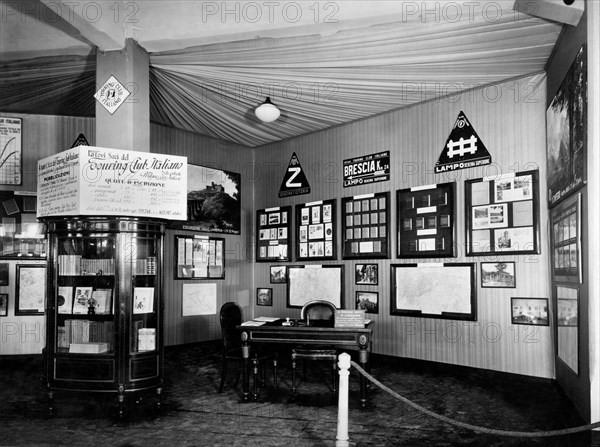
(129, 126)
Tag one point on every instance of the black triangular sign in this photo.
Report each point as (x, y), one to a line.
(463, 149)
(80, 141)
(294, 181)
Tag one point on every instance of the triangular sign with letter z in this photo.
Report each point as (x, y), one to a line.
(294, 181)
(463, 149)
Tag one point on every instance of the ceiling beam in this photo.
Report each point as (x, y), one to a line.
(87, 27)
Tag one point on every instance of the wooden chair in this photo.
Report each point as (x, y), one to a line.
(230, 317)
(316, 313)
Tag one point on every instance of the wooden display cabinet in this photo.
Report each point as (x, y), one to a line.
(104, 330)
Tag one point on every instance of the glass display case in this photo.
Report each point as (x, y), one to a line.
(104, 306)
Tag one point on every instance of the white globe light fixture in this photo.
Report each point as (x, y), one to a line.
(267, 111)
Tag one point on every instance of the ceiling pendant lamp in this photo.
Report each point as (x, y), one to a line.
(267, 111)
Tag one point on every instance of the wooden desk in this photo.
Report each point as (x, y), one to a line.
(302, 335)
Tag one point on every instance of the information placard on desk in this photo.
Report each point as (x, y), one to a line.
(88, 180)
(349, 318)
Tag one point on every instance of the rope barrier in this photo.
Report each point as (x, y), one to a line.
(492, 431)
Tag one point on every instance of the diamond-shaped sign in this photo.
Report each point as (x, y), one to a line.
(112, 95)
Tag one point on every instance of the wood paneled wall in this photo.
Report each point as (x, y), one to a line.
(510, 120)
(238, 283)
(43, 135)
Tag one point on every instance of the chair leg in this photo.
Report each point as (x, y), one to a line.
(293, 374)
(275, 371)
(255, 365)
(333, 374)
(223, 374)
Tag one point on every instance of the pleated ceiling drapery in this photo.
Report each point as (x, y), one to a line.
(317, 81)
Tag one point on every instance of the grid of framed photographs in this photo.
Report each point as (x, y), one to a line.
(200, 257)
(365, 226)
(565, 219)
(502, 214)
(426, 216)
(316, 231)
(273, 234)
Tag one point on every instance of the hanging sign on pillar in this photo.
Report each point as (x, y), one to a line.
(463, 149)
(112, 95)
(294, 181)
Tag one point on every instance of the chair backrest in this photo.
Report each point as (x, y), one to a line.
(230, 316)
(318, 313)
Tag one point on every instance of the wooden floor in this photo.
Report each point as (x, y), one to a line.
(194, 414)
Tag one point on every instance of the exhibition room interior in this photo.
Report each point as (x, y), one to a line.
(181, 181)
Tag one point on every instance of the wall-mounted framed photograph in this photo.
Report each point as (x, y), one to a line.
(502, 215)
(425, 221)
(529, 311)
(3, 304)
(200, 257)
(366, 274)
(264, 296)
(498, 275)
(4, 266)
(278, 274)
(30, 298)
(367, 301)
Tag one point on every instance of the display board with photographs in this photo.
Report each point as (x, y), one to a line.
(502, 214)
(451, 292)
(426, 216)
(565, 219)
(567, 322)
(365, 226)
(274, 234)
(200, 257)
(316, 230)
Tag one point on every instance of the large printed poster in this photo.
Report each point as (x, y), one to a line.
(213, 201)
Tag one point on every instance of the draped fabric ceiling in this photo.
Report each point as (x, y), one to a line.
(317, 81)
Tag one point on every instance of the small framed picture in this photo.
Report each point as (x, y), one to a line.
(264, 296)
(3, 304)
(4, 273)
(498, 275)
(366, 274)
(368, 301)
(30, 298)
(529, 311)
(278, 274)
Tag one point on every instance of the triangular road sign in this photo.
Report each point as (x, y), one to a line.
(294, 181)
(80, 141)
(463, 149)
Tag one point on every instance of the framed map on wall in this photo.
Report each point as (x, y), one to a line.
(315, 282)
(432, 290)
